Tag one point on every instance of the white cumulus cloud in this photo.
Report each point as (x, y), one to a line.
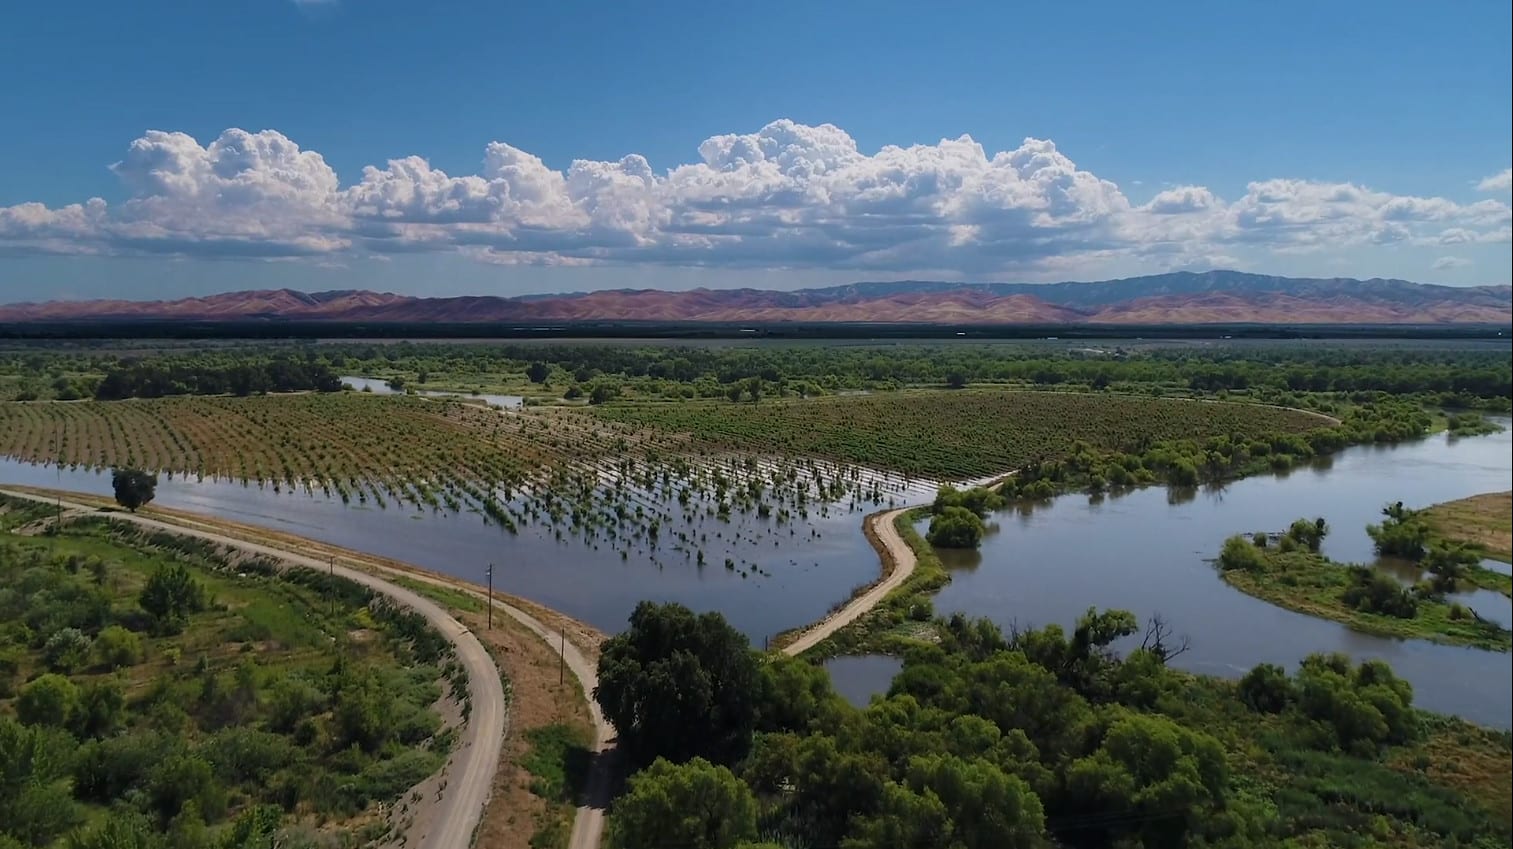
(786, 196)
(1446, 263)
(1499, 182)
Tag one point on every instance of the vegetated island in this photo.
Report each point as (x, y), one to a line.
(159, 687)
(1286, 569)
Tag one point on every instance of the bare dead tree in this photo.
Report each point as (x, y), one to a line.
(1159, 642)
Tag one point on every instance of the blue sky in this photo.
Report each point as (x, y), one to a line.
(167, 148)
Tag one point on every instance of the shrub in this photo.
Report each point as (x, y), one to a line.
(182, 779)
(1373, 592)
(66, 650)
(170, 595)
(106, 769)
(117, 647)
(1266, 688)
(1239, 553)
(955, 527)
(246, 754)
(50, 700)
(1309, 534)
(101, 711)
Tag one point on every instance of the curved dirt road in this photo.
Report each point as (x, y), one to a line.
(588, 824)
(902, 558)
(470, 770)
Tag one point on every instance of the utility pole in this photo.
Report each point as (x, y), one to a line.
(58, 467)
(491, 596)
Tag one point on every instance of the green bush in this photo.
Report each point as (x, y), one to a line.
(955, 527)
(51, 700)
(117, 647)
(1266, 688)
(1240, 553)
(182, 779)
(66, 650)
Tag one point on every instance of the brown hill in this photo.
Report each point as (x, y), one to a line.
(1219, 297)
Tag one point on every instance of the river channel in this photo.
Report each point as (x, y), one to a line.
(1150, 551)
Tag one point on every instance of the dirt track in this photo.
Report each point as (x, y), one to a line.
(899, 556)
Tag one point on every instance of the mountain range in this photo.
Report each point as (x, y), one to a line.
(1213, 297)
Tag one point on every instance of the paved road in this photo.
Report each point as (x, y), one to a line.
(470, 778)
(882, 525)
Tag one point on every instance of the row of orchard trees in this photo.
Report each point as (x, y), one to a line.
(1037, 739)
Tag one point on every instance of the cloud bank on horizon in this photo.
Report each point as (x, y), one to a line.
(787, 196)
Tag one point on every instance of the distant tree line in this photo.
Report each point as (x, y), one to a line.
(1331, 369)
(1454, 377)
(162, 377)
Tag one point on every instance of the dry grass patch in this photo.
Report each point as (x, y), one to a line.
(1486, 520)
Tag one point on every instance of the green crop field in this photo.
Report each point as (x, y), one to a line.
(956, 434)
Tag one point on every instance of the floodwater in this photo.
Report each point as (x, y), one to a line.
(1150, 551)
(856, 677)
(764, 574)
(382, 387)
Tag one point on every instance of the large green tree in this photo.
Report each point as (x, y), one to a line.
(679, 685)
(696, 805)
(1149, 778)
(133, 487)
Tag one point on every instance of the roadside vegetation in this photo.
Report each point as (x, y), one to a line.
(1287, 569)
(1033, 739)
(156, 691)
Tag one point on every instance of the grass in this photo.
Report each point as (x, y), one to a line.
(954, 434)
(1472, 760)
(558, 761)
(449, 597)
(1312, 584)
(1484, 520)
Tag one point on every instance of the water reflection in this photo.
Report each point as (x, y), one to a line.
(382, 387)
(858, 678)
(782, 575)
(1149, 551)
